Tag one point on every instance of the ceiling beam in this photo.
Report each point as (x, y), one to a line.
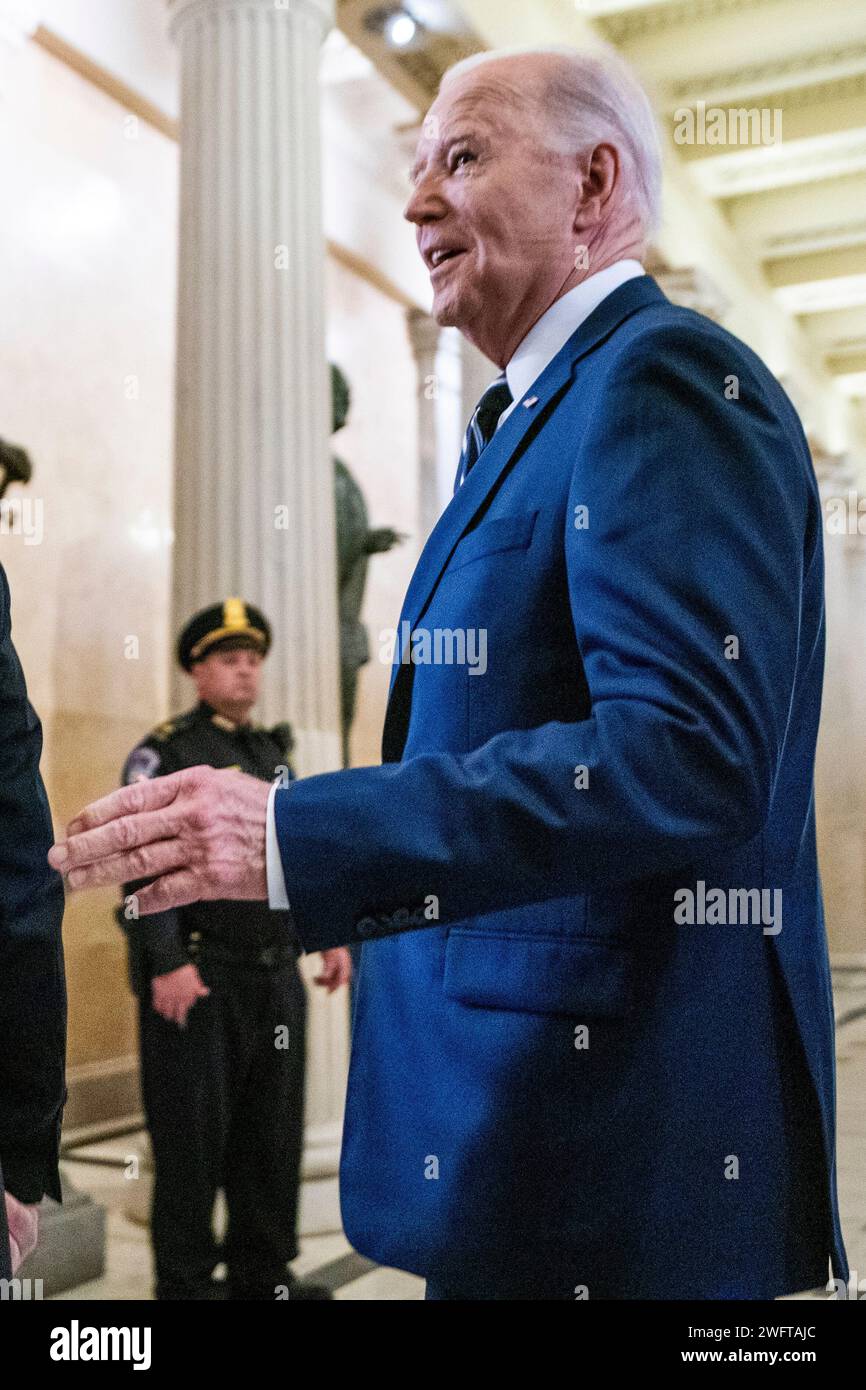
(732, 86)
(847, 364)
(762, 218)
(838, 328)
(820, 265)
(825, 109)
(664, 41)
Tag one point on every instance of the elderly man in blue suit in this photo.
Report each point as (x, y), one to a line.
(593, 1044)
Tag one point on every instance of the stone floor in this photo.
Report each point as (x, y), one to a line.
(850, 996)
(325, 1252)
(101, 1170)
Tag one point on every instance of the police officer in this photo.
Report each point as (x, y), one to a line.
(222, 1010)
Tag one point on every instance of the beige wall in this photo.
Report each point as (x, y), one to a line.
(87, 244)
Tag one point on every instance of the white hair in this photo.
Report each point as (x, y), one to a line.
(589, 98)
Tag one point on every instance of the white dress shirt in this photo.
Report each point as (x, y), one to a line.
(538, 349)
(553, 330)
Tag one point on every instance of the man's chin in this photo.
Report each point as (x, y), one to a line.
(444, 314)
(449, 311)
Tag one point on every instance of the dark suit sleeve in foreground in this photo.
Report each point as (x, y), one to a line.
(701, 521)
(32, 988)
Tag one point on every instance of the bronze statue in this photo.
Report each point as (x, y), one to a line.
(356, 541)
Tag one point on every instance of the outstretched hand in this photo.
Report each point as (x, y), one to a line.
(199, 834)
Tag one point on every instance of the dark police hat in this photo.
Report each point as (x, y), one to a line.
(225, 626)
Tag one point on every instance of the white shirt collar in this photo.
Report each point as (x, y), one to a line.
(552, 331)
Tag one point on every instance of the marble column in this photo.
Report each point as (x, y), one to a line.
(452, 375)
(254, 499)
(437, 361)
(840, 770)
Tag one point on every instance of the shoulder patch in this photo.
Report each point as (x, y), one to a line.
(142, 763)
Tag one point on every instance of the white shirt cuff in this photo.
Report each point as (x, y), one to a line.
(278, 898)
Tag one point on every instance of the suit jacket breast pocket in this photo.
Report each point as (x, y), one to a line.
(572, 976)
(493, 537)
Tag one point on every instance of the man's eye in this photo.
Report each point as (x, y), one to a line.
(459, 157)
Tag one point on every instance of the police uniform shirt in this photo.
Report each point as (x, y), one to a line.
(246, 929)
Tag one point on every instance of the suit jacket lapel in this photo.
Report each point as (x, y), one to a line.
(504, 449)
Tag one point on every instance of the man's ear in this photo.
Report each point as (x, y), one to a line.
(599, 175)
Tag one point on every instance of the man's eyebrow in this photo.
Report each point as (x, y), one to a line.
(467, 134)
(445, 142)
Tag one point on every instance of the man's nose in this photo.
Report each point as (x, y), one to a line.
(426, 203)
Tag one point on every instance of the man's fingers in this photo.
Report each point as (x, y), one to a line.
(329, 978)
(144, 862)
(142, 828)
(336, 970)
(146, 795)
(170, 1008)
(171, 890)
(124, 808)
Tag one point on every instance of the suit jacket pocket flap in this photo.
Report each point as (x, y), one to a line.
(535, 974)
(505, 533)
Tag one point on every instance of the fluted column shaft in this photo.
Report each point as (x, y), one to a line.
(840, 769)
(452, 374)
(254, 495)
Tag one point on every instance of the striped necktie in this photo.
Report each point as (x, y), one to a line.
(482, 426)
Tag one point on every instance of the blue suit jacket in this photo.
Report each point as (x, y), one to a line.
(555, 1084)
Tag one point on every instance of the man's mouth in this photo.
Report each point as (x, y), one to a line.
(442, 255)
